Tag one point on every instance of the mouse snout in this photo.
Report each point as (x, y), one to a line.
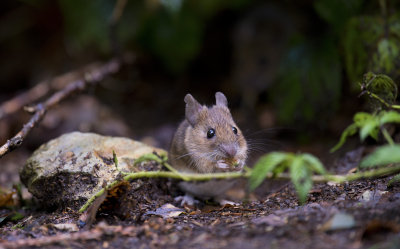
(229, 150)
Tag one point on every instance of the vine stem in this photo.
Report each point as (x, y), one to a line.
(380, 172)
(387, 136)
(373, 95)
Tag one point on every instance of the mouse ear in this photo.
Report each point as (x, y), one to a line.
(192, 110)
(221, 99)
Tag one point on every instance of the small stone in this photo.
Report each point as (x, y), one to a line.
(339, 221)
(71, 168)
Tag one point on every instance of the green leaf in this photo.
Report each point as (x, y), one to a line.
(349, 131)
(395, 179)
(389, 117)
(265, 165)
(370, 128)
(314, 163)
(301, 178)
(360, 118)
(381, 156)
(17, 216)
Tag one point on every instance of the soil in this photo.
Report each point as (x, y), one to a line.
(271, 217)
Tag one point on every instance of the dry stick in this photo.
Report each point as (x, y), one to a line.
(90, 78)
(66, 238)
(40, 90)
(380, 172)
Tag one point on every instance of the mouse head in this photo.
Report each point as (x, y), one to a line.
(213, 134)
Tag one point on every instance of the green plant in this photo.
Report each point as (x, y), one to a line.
(382, 93)
(301, 167)
(369, 125)
(371, 42)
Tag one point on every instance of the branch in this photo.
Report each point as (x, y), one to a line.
(68, 238)
(91, 77)
(41, 89)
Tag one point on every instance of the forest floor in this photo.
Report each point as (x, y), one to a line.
(360, 214)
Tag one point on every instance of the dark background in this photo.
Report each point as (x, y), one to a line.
(289, 68)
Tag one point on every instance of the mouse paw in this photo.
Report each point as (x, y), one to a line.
(186, 200)
(223, 202)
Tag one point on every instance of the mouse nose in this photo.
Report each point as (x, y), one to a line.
(229, 150)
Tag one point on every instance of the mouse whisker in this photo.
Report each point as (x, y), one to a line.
(184, 155)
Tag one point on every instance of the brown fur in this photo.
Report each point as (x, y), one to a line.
(192, 151)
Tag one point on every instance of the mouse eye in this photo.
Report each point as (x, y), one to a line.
(210, 133)
(234, 129)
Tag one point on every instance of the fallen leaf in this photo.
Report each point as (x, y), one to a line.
(5, 216)
(271, 220)
(6, 197)
(69, 227)
(371, 196)
(201, 239)
(197, 223)
(166, 211)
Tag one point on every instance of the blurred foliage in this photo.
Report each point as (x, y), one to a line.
(172, 30)
(310, 81)
(337, 13)
(372, 43)
(175, 34)
(311, 73)
(368, 125)
(382, 93)
(86, 23)
(383, 155)
(351, 36)
(381, 87)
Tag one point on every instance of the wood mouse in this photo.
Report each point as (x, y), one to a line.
(207, 141)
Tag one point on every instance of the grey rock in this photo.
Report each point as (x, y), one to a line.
(68, 170)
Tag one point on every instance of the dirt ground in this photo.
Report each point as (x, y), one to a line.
(271, 217)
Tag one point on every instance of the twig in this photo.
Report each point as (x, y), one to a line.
(41, 89)
(91, 77)
(66, 238)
